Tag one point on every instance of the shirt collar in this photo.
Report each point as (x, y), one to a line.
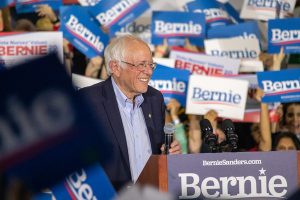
(121, 97)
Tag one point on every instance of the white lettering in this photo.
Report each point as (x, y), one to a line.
(218, 188)
(277, 86)
(105, 18)
(177, 28)
(78, 28)
(168, 85)
(285, 35)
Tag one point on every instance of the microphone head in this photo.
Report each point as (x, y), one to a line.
(205, 125)
(169, 128)
(229, 130)
(209, 137)
(227, 124)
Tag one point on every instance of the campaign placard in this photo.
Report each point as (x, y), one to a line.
(114, 14)
(45, 125)
(5, 3)
(139, 27)
(242, 30)
(247, 175)
(168, 62)
(252, 109)
(251, 66)
(267, 9)
(215, 13)
(237, 48)
(172, 83)
(88, 2)
(83, 32)
(80, 81)
(88, 183)
(233, 13)
(202, 64)
(280, 86)
(173, 25)
(284, 33)
(27, 6)
(17, 48)
(226, 96)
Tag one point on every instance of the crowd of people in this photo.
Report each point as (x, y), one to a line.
(187, 126)
(280, 134)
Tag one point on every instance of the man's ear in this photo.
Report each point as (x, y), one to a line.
(115, 67)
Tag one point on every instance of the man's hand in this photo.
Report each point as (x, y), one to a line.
(175, 148)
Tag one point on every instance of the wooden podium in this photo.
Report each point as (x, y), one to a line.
(156, 172)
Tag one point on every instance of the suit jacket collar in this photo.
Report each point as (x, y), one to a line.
(114, 117)
(113, 113)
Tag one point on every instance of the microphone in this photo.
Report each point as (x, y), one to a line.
(209, 137)
(169, 130)
(231, 136)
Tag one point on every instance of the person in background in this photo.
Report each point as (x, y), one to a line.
(290, 120)
(173, 108)
(24, 25)
(95, 68)
(261, 132)
(286, 141)
(48, 17)
(131, 112)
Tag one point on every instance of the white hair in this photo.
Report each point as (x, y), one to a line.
(116, 49)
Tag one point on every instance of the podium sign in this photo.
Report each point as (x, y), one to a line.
(233, 175)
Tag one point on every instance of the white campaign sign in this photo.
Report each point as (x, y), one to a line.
(17, 48)
(168, 62)
(237, 48)
(202, 64)
(80, 81)
(88, 2)
(252, 66)
(224, 95)
(266, 9)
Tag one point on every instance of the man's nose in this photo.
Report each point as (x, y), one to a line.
(148, 70)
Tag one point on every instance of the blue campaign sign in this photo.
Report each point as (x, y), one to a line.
(79, 29)
(89, 183)
(171, 82)
(243, 176)
(178, 25)
(46, 129)
(284, 33)
(243, 30)
(233, 13)
(215, 13)
(115, 14)
(26, 6)
(43, 196)
(4, 3)
(280, 86)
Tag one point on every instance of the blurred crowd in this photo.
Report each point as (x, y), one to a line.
(281, 134)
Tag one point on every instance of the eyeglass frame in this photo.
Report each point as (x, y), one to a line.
(142, 63)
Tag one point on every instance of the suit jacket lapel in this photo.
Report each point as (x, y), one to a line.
(113, 113)
(146, 107)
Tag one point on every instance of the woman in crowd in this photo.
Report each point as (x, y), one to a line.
(286, 141)
(291, 118)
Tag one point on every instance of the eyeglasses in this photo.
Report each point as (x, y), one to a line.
(141, 66)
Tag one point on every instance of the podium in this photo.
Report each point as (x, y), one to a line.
(252, 175)
(155, 173)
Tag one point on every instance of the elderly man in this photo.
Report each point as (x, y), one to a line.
(131, 112)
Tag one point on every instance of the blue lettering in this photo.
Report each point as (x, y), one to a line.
(206, 95)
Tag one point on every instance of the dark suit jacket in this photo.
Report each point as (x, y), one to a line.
(104, 103)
